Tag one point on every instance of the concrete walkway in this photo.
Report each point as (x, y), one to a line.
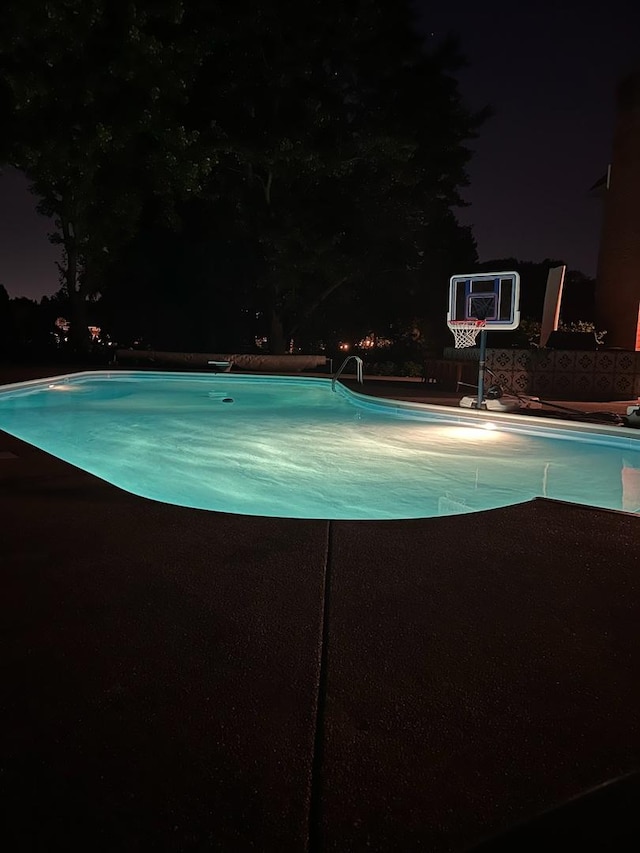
(178, 680)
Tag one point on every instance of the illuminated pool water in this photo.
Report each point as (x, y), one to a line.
(291, 447)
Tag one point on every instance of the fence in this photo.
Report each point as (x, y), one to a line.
(568, 374)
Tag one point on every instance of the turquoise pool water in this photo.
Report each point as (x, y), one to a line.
(291, 447)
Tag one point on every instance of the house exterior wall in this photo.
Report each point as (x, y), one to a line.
(618, 278)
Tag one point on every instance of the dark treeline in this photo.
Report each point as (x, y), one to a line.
(169, 319)
(222, 172)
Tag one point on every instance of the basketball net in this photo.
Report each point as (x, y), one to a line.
(465, 332)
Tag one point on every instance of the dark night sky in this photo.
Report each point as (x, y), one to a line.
(549, 71)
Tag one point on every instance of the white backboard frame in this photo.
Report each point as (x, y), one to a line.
(469, 280)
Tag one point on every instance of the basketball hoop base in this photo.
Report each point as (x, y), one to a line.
(504, 404)
(633, 416)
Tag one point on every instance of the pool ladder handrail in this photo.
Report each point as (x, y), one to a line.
(336, 375)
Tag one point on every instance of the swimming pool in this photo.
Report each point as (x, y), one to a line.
(290, 447)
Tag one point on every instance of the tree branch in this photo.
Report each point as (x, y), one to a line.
(317, 302)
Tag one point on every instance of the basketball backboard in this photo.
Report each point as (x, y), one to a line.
(493, 297)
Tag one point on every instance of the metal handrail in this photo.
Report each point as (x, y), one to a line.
(358, 362)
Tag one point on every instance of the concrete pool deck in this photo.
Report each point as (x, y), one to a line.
(181, 680)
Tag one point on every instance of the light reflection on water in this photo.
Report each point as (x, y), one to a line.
(298, 450)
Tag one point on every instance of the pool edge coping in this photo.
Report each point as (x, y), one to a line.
(519, 422)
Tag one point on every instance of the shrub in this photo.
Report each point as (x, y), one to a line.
(411, 368)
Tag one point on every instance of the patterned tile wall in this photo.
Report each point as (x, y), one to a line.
(568, 375)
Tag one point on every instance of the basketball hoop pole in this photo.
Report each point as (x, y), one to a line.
(483, 353)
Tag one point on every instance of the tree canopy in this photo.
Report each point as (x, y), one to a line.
(320, 140)
(578, 292)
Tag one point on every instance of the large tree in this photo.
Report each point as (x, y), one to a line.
(91, 97)
(343, 143)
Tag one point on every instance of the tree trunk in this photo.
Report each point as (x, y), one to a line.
(277, 342)
(316, 304)
(79, 331)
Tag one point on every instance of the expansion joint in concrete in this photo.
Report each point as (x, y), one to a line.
(315, 843)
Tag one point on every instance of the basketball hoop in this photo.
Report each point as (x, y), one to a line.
(465, 332)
